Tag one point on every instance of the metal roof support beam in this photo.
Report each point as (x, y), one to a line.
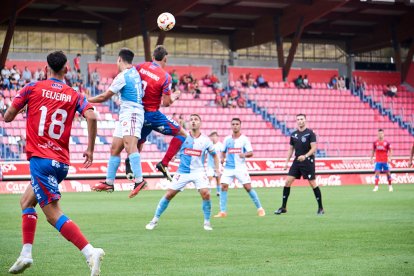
(145, 37)
(9, 35)
(279, 42)
(396, 47)
(293, 48)
(161, 38)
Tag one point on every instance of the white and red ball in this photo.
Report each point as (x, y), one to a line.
(166, 21)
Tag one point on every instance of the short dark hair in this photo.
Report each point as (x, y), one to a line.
(301, 114)
(159, 53)
(126, 55)
(236, 119)
(380, 129)
(56, 61)
(213, 133)
(194, 115)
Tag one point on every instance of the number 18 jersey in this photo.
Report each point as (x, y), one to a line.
(51, 107)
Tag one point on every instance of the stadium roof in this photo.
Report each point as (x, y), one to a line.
(360, 25)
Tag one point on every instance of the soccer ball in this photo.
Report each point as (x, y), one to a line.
(166, 21)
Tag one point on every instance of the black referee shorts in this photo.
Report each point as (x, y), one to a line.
(305, 169)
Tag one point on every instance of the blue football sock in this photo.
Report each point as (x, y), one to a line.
(162, 205)
(113, 165)
(253, 195)
(207, 209)
(135, 161)
(223, 201)
(218, 188)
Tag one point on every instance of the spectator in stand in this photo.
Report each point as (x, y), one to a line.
(69, 77)
(359, 84)
(241, 101)
(22, 144)
(5, 73)
(175, 117)
(76, 62)
(341, 83)
(243, 80)
(261, 82)
(333, 83)
(5, 83)
(207, 81)
(181, 121)
(193, 89)
(26, 75)
(3, 106)
(306, 84)
(299, 82)
(251, 83)
(36, 75)
(391, 91)
(174, 79)
(95, 78)
(214, 80)
(14, 70)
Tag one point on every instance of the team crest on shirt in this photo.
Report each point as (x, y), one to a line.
(303, 139)
(192, 152)
(57, 85)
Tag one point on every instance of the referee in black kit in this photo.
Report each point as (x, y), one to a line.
(303, 142)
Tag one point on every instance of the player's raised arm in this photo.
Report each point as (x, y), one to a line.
(101, 97)
(170, 98)
(92, 130)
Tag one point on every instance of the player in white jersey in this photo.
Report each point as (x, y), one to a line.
(131, 118)
(236, 148)
(211, 174)
(191, 170)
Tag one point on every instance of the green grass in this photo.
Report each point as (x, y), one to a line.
(362, 233)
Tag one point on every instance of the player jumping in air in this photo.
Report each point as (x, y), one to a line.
(157, 87)
(51, 108)
(236, 148)
(191, 169)
(128, 128)
(383, 152)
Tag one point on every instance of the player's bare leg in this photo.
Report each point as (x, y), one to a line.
(206, 206)
(377, 176)
(162, 206)
(223, 201)
(114, 160)
(390, 189)
(318, 196)
(72, 233)
(130, 144)
(29, 220)
(255, 198)
(286, 191)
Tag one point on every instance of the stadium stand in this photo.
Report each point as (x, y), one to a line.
(345, 123)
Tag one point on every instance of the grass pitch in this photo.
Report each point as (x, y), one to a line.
(362, 233)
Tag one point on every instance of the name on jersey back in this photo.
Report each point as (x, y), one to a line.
(149, 74)
(56, 96)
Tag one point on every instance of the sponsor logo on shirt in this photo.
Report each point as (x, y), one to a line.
(192, 152)
(57, 85)
(234, 150)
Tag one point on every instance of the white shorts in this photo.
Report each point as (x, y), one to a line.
(229, 175)
(199, 180)
(211, 172)
(129, 124)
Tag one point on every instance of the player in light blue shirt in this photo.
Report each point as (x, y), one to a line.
(191, 170)
(128, 128)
